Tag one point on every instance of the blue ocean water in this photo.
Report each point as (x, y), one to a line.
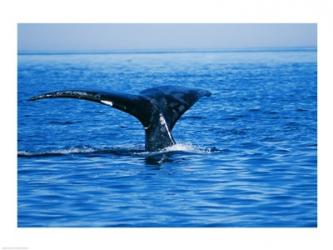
(246, 156)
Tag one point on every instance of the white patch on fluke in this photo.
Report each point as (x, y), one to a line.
(163, 123)
(162, 120)
(107, 102)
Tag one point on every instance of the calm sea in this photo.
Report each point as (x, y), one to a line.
(246, 156)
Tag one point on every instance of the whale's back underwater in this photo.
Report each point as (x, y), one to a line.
(158, 109)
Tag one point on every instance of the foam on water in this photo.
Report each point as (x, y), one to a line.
(189, 148)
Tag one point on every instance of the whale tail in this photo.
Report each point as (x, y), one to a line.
(158, 109)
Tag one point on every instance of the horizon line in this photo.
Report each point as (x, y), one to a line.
(166, 50)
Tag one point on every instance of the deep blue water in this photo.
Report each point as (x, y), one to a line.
(246, 156)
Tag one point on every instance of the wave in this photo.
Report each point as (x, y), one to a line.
(87, 150)
(79, 150)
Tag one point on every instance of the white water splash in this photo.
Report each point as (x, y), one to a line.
(190, 148)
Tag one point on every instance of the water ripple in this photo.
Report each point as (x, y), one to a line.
(245, 157)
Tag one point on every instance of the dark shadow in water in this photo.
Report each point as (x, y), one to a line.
(157, 159)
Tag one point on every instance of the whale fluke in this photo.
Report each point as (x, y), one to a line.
(158, 109)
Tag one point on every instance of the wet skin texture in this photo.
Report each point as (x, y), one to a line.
(158, 109)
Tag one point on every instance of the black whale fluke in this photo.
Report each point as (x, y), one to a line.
(158, 109)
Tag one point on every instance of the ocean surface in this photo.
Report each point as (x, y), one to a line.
(245, 157)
